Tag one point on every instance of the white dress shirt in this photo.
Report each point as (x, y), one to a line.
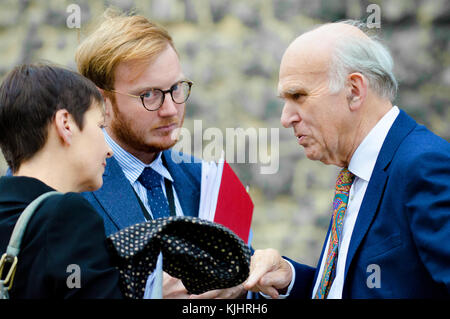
(361, 165)
(133, 168)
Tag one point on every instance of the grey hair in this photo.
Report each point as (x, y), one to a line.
(367, 56)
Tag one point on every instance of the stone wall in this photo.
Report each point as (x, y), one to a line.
(231, 49)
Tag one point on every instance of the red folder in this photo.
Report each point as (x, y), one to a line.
(234, 208)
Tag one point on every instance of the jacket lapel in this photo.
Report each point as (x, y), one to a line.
(368, 209)
(117, 197)
(402, 126)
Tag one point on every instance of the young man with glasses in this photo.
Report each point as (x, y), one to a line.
(136, 67)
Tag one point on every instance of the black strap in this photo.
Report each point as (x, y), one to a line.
(170, 198)
(144, 210)
(169, 190)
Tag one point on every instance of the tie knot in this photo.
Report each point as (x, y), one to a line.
(150, 178)
(344, 180)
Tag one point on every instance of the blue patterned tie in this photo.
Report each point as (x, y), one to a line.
(151, 180)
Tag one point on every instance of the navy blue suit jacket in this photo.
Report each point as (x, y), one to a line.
(403, 226)
(117, 203)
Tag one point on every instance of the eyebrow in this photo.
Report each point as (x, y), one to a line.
(148, 88)
(291, 91)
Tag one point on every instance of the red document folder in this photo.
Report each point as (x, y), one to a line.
(234, 208)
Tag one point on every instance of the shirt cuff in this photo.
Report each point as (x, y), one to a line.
(289, 287)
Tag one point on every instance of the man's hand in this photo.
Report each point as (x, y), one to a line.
(173, 288)
(227, 293)
(269, 273)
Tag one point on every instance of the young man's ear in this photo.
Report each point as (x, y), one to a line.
(108, 105)
(64, 125)
(357, 90)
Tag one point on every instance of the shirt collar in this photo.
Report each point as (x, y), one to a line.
(131, 166)
(364, 159)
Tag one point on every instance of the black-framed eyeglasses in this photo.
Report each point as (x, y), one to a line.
(153, 99)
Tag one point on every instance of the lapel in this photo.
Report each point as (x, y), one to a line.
(117, 197)
(319, 263)
(187, 191)
(402, 126)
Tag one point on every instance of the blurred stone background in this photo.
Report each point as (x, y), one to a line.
(231, 49)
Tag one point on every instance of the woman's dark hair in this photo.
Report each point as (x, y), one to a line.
(30, 95)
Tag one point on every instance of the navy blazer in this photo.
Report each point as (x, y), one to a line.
(118, 204)
(403, 227)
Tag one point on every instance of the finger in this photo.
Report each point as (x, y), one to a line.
(262, 262)
(206, 295)
(277, 279)
(173, 288)
(252, 280)
(255, 275)
(231, 293)
(168, 278)
(271, 291)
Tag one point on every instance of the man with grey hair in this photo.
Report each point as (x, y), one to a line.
(389, 235)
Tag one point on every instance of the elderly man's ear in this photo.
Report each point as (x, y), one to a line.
(357, 86)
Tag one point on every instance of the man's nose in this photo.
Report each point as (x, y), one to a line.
(169, 107)
(288, 116)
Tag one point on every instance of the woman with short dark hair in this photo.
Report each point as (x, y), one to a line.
(51, 122)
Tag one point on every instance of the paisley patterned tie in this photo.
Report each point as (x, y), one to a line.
(343, 184)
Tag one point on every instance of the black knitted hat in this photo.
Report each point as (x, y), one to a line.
(203, 254)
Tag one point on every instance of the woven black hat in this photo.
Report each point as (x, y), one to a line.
(203, 254)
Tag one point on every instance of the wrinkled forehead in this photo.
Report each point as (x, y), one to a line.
(304, 59)
(310, 54)
(301, 66)
(314, 49)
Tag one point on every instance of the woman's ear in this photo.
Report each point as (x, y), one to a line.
(64, 125)
(357, 90)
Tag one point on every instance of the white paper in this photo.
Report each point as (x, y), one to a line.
(210, 186)
(153, 287)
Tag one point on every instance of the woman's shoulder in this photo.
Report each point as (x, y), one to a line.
(68, 206)
(67, 218)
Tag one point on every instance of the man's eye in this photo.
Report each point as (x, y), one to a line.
(175, 87)
(296, 96)
(147, 94)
